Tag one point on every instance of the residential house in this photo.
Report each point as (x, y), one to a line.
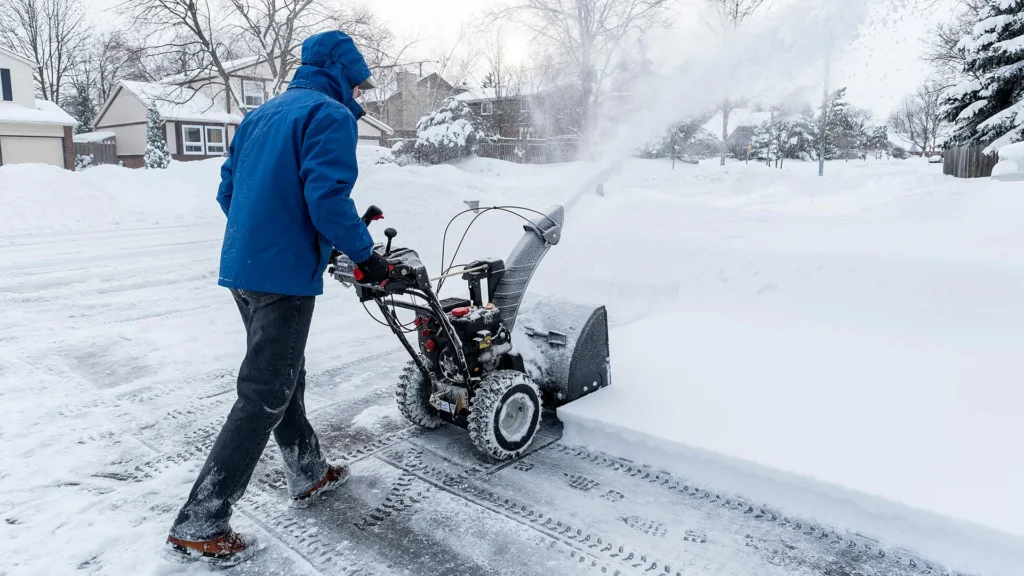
(742, 124)
(546, 112)
(402, 101)
(31, 130)
(199, 116)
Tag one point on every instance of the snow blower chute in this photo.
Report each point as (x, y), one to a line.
(464, 369)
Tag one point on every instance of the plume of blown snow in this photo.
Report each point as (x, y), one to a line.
(785, 48)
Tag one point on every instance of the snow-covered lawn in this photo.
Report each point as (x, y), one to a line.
(847, 348)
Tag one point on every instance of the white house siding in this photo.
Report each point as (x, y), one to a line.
(124, 109)
(35, 150)
(213, 88)
(31, 130)
(366, 131)
(172, 137)
(22, 87)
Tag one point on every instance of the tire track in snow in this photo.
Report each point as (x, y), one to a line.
(865, 555)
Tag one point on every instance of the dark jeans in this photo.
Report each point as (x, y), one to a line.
(271, 385)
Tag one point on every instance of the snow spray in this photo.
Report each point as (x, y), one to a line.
(766, 57)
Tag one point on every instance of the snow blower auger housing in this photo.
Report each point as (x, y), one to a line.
(464, 370)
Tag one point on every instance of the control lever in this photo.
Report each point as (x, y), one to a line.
(372, 213)
(390, 233)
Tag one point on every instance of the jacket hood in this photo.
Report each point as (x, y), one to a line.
(332, 64)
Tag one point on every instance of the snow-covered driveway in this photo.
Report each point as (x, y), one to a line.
(118, 354)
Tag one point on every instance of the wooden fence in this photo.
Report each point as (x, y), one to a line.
(968, 162)
(102, 152)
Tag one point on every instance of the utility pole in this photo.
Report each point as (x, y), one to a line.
(824, 118)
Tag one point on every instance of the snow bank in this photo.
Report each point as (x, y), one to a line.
(847, 349)
(39, 199)
(1011, 163)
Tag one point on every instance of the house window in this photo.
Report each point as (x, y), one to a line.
(192, 140)
(214, 140)
(487, 108)
(524, 105)
(5, 79)
(252, 93)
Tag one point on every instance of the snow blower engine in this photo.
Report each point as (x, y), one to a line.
(464, 369)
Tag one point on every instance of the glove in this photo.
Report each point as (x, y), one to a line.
(373, 270)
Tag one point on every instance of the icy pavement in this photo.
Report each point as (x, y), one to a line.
(118, 355)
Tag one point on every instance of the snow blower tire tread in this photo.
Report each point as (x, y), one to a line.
(414, 399)
(494, 391)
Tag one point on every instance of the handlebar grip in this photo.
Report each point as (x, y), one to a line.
(372, 213)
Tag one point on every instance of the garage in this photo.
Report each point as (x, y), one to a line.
(32, 149)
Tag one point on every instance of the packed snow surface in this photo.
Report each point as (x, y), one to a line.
(846, 348)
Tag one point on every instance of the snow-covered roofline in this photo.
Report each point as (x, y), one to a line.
(209, 72)
(45, 112)
(378, 124)
(18, 57)
(173, 102)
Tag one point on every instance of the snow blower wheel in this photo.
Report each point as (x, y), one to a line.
(505, 414)
(413, 396)
(463, 369)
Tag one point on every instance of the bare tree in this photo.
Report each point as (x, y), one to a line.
(942, 49)
(585, 35)
(51, 32)
(275, 29)
(732, 15)
(919, 118)
(194, 34)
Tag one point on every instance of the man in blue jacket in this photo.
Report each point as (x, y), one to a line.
(285, 189)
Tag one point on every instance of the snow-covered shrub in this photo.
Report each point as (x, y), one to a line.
(83, 161)
(786, 137)
(446, 134)
(899, 152)
(157, 155)
(689, 138)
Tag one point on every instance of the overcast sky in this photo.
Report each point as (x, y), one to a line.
(878, 69)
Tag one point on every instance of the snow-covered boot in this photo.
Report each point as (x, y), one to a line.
(337, 474)
(227, 550)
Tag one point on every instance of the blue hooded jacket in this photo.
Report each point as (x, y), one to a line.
(290, 170)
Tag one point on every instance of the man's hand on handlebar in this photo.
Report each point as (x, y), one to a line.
(373, 270)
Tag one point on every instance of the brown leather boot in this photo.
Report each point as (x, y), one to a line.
(226, 550)
(337, 474)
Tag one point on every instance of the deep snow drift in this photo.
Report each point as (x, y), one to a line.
(845, 348)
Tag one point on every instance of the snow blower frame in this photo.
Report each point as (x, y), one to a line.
(464, 370)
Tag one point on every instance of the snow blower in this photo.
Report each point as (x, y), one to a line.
(464, 369)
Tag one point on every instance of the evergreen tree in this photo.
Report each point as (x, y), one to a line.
(81, 107)
(879, 139)
(446, 134)
(991, 109)
(789, 136)
(157, 155)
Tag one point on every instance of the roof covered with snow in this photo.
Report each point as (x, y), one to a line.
(378, 124)
(93, 137)
(44, 113)
(209, 71)
(478, 94)
(738, 118)
(179, 103)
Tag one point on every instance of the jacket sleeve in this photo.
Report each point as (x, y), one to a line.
(328, 170)
(227, 185)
